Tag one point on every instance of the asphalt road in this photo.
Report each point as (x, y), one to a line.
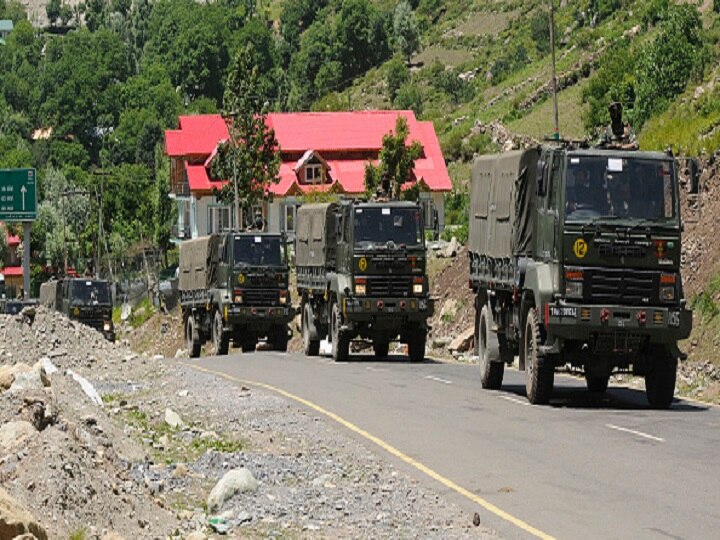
(582, 467)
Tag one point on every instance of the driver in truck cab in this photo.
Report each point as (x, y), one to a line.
(586, 194)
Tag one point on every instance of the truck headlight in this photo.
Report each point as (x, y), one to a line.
(238, 298)
(360, 287)
(667, 293)
(107, 326)
(417, 288)
(573, 289)
(283, 297)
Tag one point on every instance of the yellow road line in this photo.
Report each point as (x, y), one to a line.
(391, 450)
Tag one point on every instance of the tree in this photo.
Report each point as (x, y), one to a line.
(250, 158)
(52, 9)
(405, 30)
(397, 75)
(362, 39)
(396, 162)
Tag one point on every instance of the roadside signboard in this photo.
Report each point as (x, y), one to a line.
(18, 195)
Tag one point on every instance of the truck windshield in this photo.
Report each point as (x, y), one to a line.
(381, 226)
(90, 293)
(256, 250)
(634, 189)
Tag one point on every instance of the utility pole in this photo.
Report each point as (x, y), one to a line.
(233, 143)
(556, 132)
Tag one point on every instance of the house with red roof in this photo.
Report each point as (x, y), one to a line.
(320, 152)
(12, 272)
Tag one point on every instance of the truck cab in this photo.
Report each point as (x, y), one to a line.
(88, 301)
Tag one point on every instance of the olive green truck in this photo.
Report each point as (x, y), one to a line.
(234, 288)
(574, 260)
(361, 273)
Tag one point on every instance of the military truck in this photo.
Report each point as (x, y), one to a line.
(234, 286)
(575, 260)
(88, 301)
(361, 273)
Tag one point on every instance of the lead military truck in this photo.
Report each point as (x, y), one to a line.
(575, 259)
(234, 287)
(361, 273)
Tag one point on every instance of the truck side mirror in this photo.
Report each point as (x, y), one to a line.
(541, 174)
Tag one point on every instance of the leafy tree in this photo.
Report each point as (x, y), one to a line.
(151, 89)
(397, 74)
(540, 31)
(134, 139)
(316, 50)
(296, 16)
(396, 162)
(52, 9)
(361, 37)
(405, 30)
(251, 156)
(66, 13)
(13, 10)
(329, 78)
(165, 212)
(409, 97)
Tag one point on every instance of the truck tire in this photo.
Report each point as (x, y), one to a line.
(221, 339)
(340, 342)
(539, 374)
(248, 345)
(660, 377)
(311, 347)
(280, 338)
(381, 348)
(597, 384)
(487, 348)
(416, 345)
(192, 345)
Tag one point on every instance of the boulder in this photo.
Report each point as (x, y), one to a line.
(463, 341)
(173, 419)
(16, 520)
(29, 378)
(7, 377)
(197, 535)
(234, 481)
(14, 435)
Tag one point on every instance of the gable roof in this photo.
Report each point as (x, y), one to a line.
(311, 135)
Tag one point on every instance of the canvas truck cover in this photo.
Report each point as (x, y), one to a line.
(502, 202)
(315, 234)
(198, 262)
(50, 292)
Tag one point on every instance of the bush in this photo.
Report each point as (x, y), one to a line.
(409, 97)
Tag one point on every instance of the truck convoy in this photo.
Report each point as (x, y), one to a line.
(234, 286)
(575, 259)
(361, 273)
(88, 301)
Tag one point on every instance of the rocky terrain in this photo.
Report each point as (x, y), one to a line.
(99, 442)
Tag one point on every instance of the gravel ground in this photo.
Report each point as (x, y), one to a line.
(120, 467)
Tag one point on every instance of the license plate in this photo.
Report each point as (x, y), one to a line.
(563, 311)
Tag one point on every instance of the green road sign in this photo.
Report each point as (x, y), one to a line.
(18, 196)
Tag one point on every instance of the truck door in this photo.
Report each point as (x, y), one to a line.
(548, 214)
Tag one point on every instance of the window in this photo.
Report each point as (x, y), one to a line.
(313, 174)
(219, 219)
(290, 211)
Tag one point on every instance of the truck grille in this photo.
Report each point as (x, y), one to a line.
(622, 250)
(389, 285)
(260, 297)
(622, 286)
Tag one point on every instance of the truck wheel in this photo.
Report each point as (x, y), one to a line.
(660, 377)
(381, 348)
(221, 340)
(539, 373)
(280, 339)
(311, 347)
(248, 346)
(416, 346)
(192, 345)
(597, 384)
(340, 342)
(487, 348)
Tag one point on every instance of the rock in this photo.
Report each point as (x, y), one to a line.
(440, 342)
(7, 377)
(463, 342)
(219, 524)
(180, 470)
(234, 481)
(173, 419)
(451, 250)
(197, 535)
(476, 519)
(16, 520)
(14, 435)
(181, 353)
(112, 535)
(29, 378)
(243, 517)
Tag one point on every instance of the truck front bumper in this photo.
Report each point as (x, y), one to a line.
(239, 314)
(583, 322)
(363, 309)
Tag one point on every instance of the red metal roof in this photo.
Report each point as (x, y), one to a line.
(12, 271)
(12, 240)
(323, 132)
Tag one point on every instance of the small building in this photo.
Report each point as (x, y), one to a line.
(12, 265)
(320, 152)
(6, 26)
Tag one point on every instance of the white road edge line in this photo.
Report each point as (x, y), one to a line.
(515, 400)
(437, 379)
(634, 432)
